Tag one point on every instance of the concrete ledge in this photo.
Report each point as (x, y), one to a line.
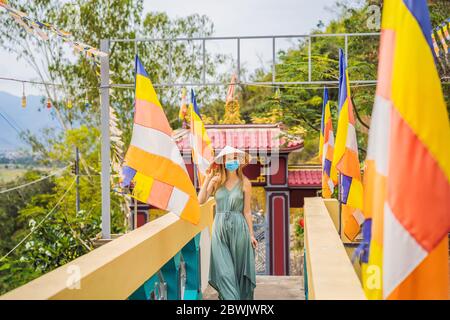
(330, 273)
(118, 268)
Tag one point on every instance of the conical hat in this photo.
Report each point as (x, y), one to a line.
(244, 157)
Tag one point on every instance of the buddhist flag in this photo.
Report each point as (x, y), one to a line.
(435, 45)
(202, 151)
(442, 39)
(153, 163)
(345, 157)
(183, 106)
(407, 170)
(329, 173)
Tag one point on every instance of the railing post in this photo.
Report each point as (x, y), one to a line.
(191, 255)
(170, 272)
(144, 291)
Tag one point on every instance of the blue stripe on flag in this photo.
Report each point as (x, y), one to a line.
(325, 101)
(342, 79)
(194, 103)
(140, 68)
(346, 183)
(327, 167)
(419, 10)
(128, 174)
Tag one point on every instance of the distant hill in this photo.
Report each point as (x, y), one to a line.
(34, 118)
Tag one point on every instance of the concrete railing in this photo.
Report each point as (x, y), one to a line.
(133, 266)
(329, 271)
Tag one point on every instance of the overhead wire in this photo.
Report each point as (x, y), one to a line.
(40, 222)
(34, 181)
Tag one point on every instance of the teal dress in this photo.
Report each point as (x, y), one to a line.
(232, 266)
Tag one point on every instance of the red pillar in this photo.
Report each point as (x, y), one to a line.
(277, 195)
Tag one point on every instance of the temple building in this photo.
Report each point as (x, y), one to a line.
(277, 189)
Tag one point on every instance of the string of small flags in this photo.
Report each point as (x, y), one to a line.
(41, 29)
(443, 34)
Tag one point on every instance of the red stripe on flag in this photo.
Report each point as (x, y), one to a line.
(387, 47)
(151, 116)
(419, 192)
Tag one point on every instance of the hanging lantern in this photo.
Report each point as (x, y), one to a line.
(49, 103)
(69, 104)
(86, 103)
(24, 97)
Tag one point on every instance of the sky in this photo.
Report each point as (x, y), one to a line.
(230, 18)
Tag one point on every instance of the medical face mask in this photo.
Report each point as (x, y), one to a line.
(232, 165)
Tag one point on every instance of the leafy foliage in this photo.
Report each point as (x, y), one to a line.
(67, 234)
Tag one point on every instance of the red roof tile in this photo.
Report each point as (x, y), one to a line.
(305, 178)
(244, 137)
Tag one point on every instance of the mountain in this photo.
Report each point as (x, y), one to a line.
(14, 118)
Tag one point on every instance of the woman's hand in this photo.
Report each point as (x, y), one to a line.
(209, 174)
(254, 242)
(214, 180)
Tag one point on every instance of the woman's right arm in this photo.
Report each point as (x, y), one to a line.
(206, 189)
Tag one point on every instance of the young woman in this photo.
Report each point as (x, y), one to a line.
(232, 266)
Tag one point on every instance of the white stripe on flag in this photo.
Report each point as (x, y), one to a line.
(156, 142)
(331, 138)
(351, 142)
(331, 185)
(359, 217)
(378, 145)
(177, 201)
(401, 252)
(324, 153)
(201, 162)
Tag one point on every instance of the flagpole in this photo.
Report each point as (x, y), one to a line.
(106, 143)
(340, 204)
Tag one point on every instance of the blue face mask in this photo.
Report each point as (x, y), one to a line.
(232, 165)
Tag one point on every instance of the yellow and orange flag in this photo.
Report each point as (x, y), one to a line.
(202, 150)
(407, 174)
(326, 149)
(153, 163)
(345, 157)
(183, 106)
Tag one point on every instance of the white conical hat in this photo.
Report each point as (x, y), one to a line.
(242, 156)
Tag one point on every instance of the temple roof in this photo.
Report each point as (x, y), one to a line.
(243, 136)
(305, 177)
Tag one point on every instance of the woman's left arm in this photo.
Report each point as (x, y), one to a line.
(248, 211)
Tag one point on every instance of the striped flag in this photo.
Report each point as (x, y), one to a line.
(435, 46)
(407, 170)
(329, 173)
(442, 39)
(183, 107)
(345, 157)
(202, 151)
(153, 163)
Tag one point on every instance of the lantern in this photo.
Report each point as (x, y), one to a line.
(49, 103)
(24, 97)
(87, 104)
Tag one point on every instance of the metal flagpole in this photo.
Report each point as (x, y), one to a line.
(77, 175)
(340, 204)
(135, 213)
(105, 150)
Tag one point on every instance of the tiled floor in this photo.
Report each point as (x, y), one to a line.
(271, 288)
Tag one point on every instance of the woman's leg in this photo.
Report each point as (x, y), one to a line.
(222, 275)
(242, 254)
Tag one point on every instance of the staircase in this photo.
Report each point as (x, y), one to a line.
(271, 288)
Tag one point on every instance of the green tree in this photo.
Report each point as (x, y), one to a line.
(67, 234)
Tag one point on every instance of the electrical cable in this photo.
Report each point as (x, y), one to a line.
(40, 222)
